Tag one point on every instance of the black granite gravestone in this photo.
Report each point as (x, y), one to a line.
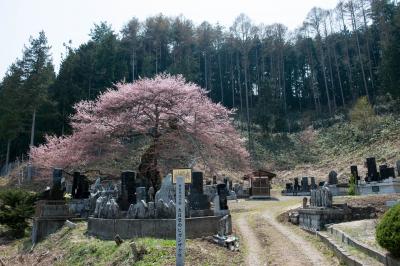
(313, 184)
(197, 183)
(222, 193)
(372, 174)
(80, 186)
(289, 187)
(332, 178)
(214, 180)
(296, 184)
(128, 190)
(386, 172)
(56, 192)
(354, 172)
(304, 184)
(75, 182)
(390, 172)
(398, 167)
(198, 200)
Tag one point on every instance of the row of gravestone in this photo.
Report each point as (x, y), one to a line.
(373, 175)
(79, 189)
(304, 186)
(106, 202)
(163, 205)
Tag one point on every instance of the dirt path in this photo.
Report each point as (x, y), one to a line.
(269, 242)
(254, 249)
(308, 252)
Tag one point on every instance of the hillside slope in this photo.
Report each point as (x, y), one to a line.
(315, 152)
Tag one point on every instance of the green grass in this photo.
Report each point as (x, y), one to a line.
(75, 247)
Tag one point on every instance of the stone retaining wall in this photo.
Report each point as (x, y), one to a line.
(160, 228)
(386, 259)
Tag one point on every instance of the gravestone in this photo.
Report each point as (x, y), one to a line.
(321, 197)
(75, 182)
(313, 184)
(140, 194)
(398, 167)
(138, 210)
(390, 172)
(222, 193)
(305, 202)
(372, 173)
(197, 183)
(332, 178)
(80, 186)
(354, 173)
(214, 180)
(198, 200)
(128, 189)
(166, 192)
(382, 171)
(321, 184)
(230, 182)
(226, 182)
(112, 209)
(289, 187)
(304, 184)
(296, 184)
(56, 192)
(386, 172)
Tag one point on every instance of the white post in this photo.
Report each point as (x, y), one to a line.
(180, 221)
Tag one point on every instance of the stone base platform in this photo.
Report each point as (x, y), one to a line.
(315, 219)
(196, 227)
(299, 193)
(387, 186)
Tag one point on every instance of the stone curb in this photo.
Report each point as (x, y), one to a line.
(384, 258)
(339, 252)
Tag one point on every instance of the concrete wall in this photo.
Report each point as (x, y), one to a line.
(44, 227)
(160, 228)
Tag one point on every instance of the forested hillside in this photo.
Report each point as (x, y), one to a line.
(279, 81)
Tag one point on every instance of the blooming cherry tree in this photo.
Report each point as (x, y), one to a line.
(182, 124)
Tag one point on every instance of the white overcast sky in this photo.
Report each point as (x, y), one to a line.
(65, 20)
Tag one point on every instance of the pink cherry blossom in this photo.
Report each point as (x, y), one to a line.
(177, 116)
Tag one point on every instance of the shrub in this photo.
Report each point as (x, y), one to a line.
(16, 207)
(362, 115)
(388, 231)
(352, 186)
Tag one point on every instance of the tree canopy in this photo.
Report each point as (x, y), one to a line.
(184, 127)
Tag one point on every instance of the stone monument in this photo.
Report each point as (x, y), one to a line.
(372, 174)
(128, 189)
(332, 178)
(197, 199)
